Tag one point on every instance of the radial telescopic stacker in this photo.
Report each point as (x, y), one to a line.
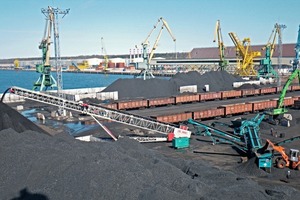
(102, 112)
(245, 137)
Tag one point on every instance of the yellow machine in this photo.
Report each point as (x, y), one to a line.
(104, 55)
(17, 64)
(218, 34)
(245, 56)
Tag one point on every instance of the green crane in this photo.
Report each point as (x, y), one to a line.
(46, 79)
(223, 63)
(266, 70)
(280, 104)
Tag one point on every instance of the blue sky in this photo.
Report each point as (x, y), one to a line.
(126, 23)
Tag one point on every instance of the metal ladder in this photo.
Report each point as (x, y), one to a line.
(100, 112)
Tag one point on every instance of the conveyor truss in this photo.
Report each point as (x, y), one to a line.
(245, 137)
(101, 112)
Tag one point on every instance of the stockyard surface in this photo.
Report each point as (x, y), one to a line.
(46, 162)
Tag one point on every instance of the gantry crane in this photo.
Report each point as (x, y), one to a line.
(104, 54)
(218, 34)
(147, 58)
(245, 65)
(266, 70)
(46, 79)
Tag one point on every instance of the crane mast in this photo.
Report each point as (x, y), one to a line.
(245, 65)
(266, 70)
(295, 62)
(296, 73)
(218, 34)
(46, 79)
(104, 54)
(146, 73)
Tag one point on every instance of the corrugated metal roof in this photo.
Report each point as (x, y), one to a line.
(288, 50)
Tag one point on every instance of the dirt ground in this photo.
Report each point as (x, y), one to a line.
(222, 156)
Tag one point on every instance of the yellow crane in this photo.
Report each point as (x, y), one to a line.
(245, 56)
(145, 44)
(104, 54)
(17, 64)
(218, 35)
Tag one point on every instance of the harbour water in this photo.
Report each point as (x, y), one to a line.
(26, 79)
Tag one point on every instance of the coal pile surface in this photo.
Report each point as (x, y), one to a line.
(60, 167)
(10, 118)
(139, 88)
(153, 88)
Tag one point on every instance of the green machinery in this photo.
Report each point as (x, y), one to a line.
(266, 70)
(223, 63)
(179, 143)
(280, 104)
(245, 137)
(45, 80)
(275, 113)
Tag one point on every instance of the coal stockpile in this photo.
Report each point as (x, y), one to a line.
(139, 88)
(217, 80)
(59, 167)
(10, 118)
(152, 88)
(36, 165)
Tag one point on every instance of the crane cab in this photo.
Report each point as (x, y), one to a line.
(294, 155)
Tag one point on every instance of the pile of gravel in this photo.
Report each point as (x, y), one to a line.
(153, 88)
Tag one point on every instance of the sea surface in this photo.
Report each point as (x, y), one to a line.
(26, 79)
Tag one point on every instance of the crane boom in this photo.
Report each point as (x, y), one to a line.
(218, 34)
(147, 58)
(295, 62)
(280, 104)
(266, 70)
(104, 54)
(243, 48)
(46, 79)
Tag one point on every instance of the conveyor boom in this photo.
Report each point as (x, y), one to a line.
(99, 111)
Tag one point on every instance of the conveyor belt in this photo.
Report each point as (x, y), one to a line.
(99, 111)
(221, 135)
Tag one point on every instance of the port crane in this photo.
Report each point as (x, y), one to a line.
(245, 65)
(295, 62)
(276, 113)
(103, 49)
(46, 79)
(266, 70)
(218, 35)
(148, 57)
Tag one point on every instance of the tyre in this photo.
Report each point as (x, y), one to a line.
(281, 164)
